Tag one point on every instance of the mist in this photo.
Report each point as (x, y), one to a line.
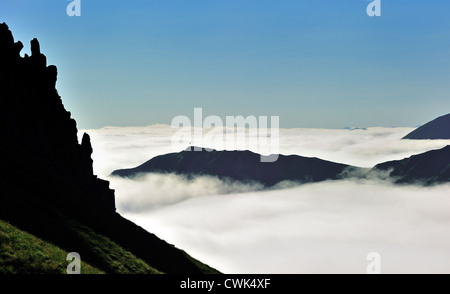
(316, 228)
(148, 192)
(327, 227)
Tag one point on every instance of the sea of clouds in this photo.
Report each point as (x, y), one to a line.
(327, 227)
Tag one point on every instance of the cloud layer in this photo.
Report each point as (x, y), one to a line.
(119, 147)
(327, 227)
(152, 191)
(317, 228)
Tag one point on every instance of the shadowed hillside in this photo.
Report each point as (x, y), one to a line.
(244, 166)
(432, 167)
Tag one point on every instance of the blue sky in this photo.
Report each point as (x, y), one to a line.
(323, 64)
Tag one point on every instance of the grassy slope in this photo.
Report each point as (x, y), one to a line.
(23, 253)
(113, 258)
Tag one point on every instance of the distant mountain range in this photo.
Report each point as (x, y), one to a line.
(244, 166)
(436, 129)
(429, 168)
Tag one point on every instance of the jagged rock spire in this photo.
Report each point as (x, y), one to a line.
(35, 47)
(9, 51)
(36, 54)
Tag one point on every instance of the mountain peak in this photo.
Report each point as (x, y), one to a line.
(433, 130)
(243, 166)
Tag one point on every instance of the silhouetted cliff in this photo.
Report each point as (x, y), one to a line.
(48, 185)
(33, 116)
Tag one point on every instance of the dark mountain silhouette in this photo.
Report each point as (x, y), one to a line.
(48, 185)
(432, 167)
(242, 166)
(436, 129)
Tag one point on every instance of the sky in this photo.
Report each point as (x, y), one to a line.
(315, 64)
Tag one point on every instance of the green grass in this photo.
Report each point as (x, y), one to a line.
(23, 253)
(110, 256)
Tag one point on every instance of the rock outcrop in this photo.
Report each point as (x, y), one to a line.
(33, 116)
